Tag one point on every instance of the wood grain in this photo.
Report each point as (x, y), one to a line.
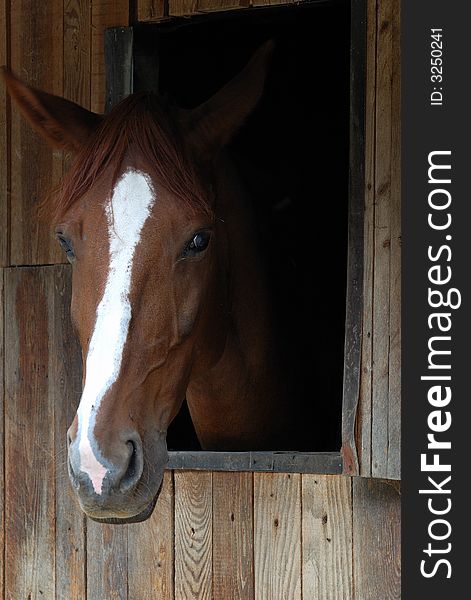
(271, 2)
(119, 59)
(366, 384)
(215, 5)
(327, 537)
(193, 535)
(29, 435)
(278, 462)
(394, 416)
(378, 418)
(382, 252)
(4, 260)
(107, 564)
(2, 436)
(376, 539)
(77, 30)
(4, 145)
(37, 57)
(65, 384)
(77, 51)
(150, 10)
(354, 280)
(277, 536)
(182, 7)
(233, 575)
(105, 13)
(151, 552)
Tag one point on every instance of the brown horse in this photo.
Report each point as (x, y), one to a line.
(169, 295)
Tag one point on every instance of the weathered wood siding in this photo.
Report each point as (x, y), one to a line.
(379, 412)
(56, 46)
(213, 535)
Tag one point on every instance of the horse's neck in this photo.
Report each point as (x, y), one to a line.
(238, 401)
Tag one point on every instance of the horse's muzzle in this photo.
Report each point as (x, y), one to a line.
(124, 489)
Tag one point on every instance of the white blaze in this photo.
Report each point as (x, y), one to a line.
(127, 211)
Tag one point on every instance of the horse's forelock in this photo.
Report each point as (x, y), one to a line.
(142, 125)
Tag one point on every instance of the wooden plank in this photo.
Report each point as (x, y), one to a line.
(354, 296)
(233, 575)
(29, 435)
(77, 28)
(4, 258)
(365, 405)
(107, 568)
(378, 419)
(77, 51)
(394, 416)
(178, 8)
(215, 5)
(2, 437)
(105, 13)
(4, 143)
(118, 43)
(193, 535)
(376, 539)
(65, 382)
(286, 462)
(327, 537)
(271, 2)
(150, 10)
(37, 57)
(151, 552)
(382, 259)
(277, 536)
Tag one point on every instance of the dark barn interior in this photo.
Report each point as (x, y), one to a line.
(293, 156)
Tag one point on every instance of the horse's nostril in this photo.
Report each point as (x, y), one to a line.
(132, 461)
(102, 476)
(134, 468)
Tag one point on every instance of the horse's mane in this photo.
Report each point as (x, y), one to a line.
(141, 125)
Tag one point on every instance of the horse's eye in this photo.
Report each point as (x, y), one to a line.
(66, 246)
(198, 244)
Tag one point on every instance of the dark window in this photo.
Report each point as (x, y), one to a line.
(294, 155)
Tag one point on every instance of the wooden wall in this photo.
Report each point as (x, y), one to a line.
(213, 535)
(379, 413)
(56, 46)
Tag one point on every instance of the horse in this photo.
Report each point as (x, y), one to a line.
(170, 300)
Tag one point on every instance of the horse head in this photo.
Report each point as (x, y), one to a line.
(137, 216)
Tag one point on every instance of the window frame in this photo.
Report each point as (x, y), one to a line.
(124, 66)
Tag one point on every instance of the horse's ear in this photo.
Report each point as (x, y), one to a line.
(62, 123)
(212, 124)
